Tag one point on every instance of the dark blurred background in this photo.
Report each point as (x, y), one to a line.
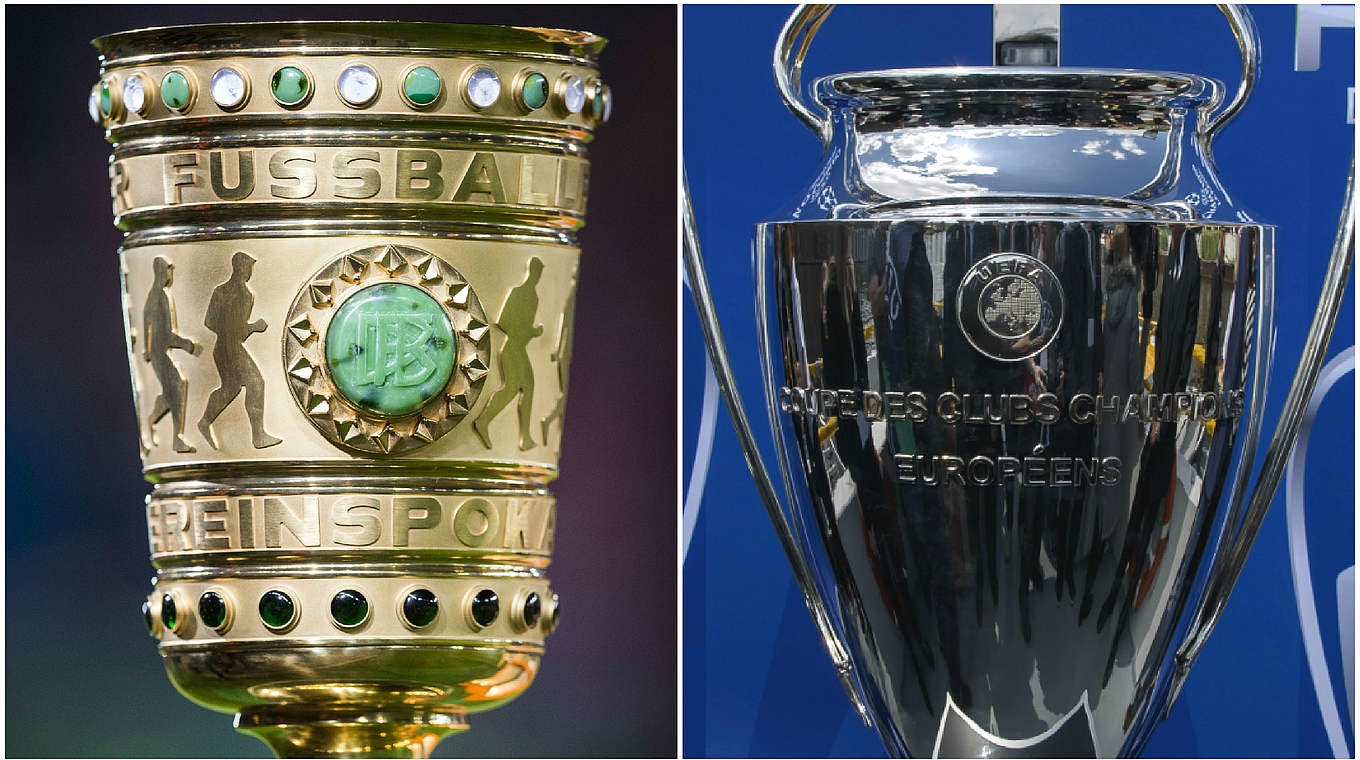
(82, 676)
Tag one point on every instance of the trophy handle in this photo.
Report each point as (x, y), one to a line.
(727, 384)
(1232, 555)
(796, 37)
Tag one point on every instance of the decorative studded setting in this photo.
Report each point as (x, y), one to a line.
(533, 93)
(421, 86)
(357, 85)
(419, 608)
(214, 611)
(368, 375)
(177, 90)
(391, 609)
(291, 86)
(349, 609)
(278, 611)
(342, 85)
(482, 87)
(484, 607)
(230, 88)
(169, 613)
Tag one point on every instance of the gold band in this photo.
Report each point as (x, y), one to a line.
(325, 99)
(243, 179)
(314, 624)
(464, 526)
(189, 379)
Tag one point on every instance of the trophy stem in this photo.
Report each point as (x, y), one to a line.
(351, 730)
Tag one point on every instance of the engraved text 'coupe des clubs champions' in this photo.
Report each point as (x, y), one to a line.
(1008, 397)
(348, 280)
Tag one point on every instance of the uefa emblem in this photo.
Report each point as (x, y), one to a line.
(1010, 306)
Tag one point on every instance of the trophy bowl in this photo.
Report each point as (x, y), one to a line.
(349, 277)
(1014, 334)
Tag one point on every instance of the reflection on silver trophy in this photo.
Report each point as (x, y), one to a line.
(1017, 402)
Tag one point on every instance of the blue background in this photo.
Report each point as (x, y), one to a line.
(757, 681)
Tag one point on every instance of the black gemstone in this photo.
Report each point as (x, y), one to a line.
(349, 608)
(420, 607)
(552, 612)
(533, 606)
(146, 613)
(212, 609)
(276, 609)
(168, 613)
(485, 607)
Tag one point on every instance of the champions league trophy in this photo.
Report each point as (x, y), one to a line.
(348, 276)
(1007, 396)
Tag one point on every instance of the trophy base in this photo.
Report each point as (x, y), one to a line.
(351, 730)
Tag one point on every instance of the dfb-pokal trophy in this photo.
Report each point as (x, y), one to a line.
(1014, 336)
(348, 278)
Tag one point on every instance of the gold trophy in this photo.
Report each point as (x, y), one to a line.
(348, 280)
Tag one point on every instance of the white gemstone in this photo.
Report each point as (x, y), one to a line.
(608, 104)
(228, 88)
(134, 94)
(483, 87)
(94, 105)
(574, 96)
(358, 85)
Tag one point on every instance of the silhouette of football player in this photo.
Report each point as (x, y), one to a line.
(158, 324)
(517, 322)
(229, 318)
(562, 355)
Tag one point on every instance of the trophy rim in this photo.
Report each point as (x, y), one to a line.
(954, 80)
(343, 37)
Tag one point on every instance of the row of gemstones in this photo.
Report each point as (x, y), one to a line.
(349, 610)
(358, 86)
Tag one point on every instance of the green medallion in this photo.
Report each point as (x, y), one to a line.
(597, 102)
(175, 90)
(277, 609)
(535, 91)
(390, 349)
(290, 85)
(422, 85)
(105, 99)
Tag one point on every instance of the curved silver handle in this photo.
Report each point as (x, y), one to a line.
(796, 37)
(1233, 556)
(1249, 45)
(727, 383)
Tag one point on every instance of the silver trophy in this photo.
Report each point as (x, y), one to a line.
(1017, 403)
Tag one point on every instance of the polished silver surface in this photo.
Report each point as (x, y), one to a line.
(1012, 545)
(795, 39)
(1015, 335)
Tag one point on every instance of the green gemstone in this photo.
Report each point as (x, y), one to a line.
(420, 607)
(485, 607)
(175, 90)
(212, 609)
(597, 102)
(150, 621)
(169, 615)
(105, 99)
(290, 85)
(533, 607)
(276, 609)
(535, 91)
(390, 349)
(422, 85)
(349, 608)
